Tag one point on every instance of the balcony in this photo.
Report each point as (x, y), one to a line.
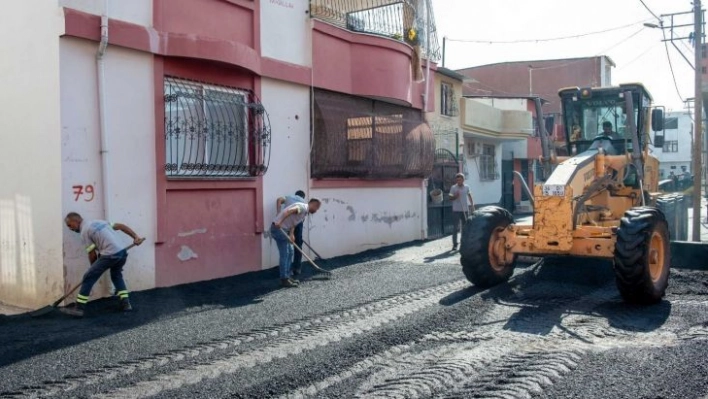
(484, 121)
(399, 20)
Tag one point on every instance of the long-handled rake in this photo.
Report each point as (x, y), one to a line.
(312, 262)
(50, 308)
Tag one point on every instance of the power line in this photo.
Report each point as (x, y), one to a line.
(622, 41)
(626, 64)
(546, 39)
(671, 67)
(650, 11)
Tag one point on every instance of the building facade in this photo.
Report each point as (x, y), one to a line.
(187, 119)
(675, 156)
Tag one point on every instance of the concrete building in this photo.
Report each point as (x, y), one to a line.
(542, 78)
(186, 119)
(675, 156)
(489, 126)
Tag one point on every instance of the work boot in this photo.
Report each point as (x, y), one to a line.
(296, 272)
(125, 306)
(77, 310)
(287, 283)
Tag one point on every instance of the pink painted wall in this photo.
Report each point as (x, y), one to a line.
(365, 65)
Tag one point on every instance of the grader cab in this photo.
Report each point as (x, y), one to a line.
(601, 201)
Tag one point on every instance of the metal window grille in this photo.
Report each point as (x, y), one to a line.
(358, 137)
(671, 123)
(447, 100)
(670, 146)
(488, 163)
(390, 18)
(214, 131)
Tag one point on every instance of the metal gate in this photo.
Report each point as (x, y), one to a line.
(440, 221)
(507, 201)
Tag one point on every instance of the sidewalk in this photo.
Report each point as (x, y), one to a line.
(704, 224)
(10, 310)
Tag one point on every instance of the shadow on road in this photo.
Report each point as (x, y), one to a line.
(555, 290)
(23, 337)
(443, 255)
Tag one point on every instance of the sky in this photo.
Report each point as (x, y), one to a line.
(638, 52)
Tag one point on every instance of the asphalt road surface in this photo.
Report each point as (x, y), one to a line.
(395, 323)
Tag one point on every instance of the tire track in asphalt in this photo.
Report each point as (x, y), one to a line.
(390, 365)
(286, 333)
(301, 339)
(470, 363)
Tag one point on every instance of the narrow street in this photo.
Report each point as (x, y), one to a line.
(400, 322)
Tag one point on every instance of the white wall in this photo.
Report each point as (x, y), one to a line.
(488, 191)
(288, 107)
(352, 220)
(285, 31)
(135, 11)
(683, 135)
(30, 202)
(131, 153)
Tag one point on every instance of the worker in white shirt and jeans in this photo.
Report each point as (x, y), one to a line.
(462, 205)
(282, 231)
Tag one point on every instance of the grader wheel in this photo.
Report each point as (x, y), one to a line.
(484, 257)
(642, 255)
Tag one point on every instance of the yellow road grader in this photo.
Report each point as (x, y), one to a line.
(601, 201)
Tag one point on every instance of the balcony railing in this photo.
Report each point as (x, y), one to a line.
(400, 20)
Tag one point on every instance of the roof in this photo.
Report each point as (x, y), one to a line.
(527, 62)
(451, 74)
(627, 86)
(509, 97)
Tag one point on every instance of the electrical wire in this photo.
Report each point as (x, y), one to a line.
(671, 66)
(650, 11)
(546, 39)
(645, 52)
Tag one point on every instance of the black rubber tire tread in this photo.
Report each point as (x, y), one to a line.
(632, 255)
(667, 205)
(474, 247)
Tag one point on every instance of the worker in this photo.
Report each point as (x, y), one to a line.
(105, 252)
(286, 201)
(282, 231)
(607, 131)
(462, 205)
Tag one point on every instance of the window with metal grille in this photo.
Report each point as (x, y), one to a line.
(671, 123)
(358, 137)
(213, 131)
(447, 105)
(488, 163)
(670, 146)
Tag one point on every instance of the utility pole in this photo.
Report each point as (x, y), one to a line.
(698, 124)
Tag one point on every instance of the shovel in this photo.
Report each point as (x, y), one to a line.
(312, 262)
(50, 308)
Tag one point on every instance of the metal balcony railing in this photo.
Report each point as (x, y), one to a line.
(402, 20)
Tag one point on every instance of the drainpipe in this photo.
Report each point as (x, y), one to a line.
(103, 125)
(427, 52)
(423, 214)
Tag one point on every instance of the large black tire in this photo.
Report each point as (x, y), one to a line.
(675, 209)
(478, 235)
(642, 255)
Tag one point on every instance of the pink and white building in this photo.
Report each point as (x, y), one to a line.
(186, 119)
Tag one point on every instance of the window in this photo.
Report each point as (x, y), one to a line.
(670, 123)
(670, 146)
(488, 163)
(447, 100)
(213, 132)
(358, 137)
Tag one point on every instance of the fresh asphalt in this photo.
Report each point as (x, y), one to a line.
(395, 322)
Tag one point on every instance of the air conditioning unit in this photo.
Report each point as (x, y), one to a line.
(474, 148)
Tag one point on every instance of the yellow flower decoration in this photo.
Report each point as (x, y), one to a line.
(412, 34)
